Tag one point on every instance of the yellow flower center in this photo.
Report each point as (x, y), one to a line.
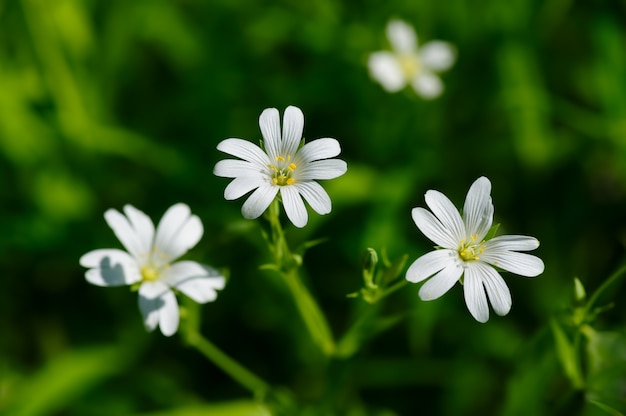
(470, 250)
(410, 64)
(155, 263)
(149, 273)
(282, 171)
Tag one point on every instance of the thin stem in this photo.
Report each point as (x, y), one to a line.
(288, 265)
(602, 288)
(231, 367)
(310, 311)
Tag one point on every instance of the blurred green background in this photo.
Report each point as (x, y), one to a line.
(104, 103)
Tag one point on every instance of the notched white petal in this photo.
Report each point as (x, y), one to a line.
(152, 297)
(294, 206)
(437, 55)
(240, 186)
(432, 228)
(322, 169)
(178, 231)
(385, 68)
(478, 209)
(143, 226)
(198, 281)
(245, 150)
(429, 264)
(519, 263)
(231, 168)
(316, 196)
(474, 293)
(317, 150)
(258, 201)
(401, 36)
(124, 232)
(110, 267)
(441, 282)
(293, 125)
(512, 243)
(427, 85)
(269, 122)
(447, 213)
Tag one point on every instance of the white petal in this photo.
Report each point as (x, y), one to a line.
(440, 283)
(143, 226)
(231, 168)
(245, 150)
(317, 149)
(124, 232)
(195, 280)
(512, 243)
(385, 68)
(169, 314)
(316, 196)
(178, 231)
(511, 261)
(474, 293)
(401, 36)
(437, 55)
(432, 228)
(240, 186)
(478, 209)
(447, 213)
(293, 125)
(497, 290)
(110, 267)
(269, 122)
(258, 201)
(321, 169)
(294, 206)
(429, 264)
(151, 301)
(427, 85)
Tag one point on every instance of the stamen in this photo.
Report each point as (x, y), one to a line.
(280, 159)
(149, 273)
(292, 167)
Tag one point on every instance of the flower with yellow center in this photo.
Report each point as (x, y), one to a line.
(408, 64)
(463, 253)
(149, 263)
(283, 166)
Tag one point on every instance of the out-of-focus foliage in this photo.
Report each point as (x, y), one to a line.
(104, 103)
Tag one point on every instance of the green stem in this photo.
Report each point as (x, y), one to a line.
(602, 288)
(231, 367)
(287, 265)
(310, 311)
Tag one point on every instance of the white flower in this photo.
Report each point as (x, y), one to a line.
(149, 261)
(462, 250)
(406, 64)
(284, 166)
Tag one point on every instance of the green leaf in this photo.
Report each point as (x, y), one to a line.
(606, 355)
(65, 378)
(233, 408)
(492, 232)
(567, 355)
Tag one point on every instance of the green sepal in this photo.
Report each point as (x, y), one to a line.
(492, 232)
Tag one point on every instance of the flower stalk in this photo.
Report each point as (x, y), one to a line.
(287, 264)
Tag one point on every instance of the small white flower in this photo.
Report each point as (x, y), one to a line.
(462, 250)
(406, 64)
(284, 166)
(149, 260)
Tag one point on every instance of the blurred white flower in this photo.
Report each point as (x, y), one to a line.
(462, 250)
(283, 166)
(148, 261)
(408, 64)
